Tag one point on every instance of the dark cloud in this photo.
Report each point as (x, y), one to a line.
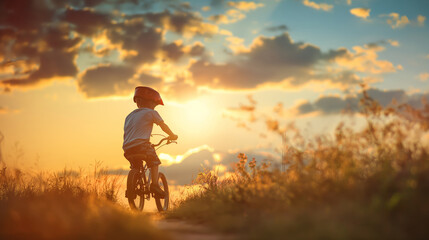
(174, 51)
(55, 59)
(281, 28)
(197, 49)
(41, 40)
(148, 80)
(330, 105)
(103, 81)
(145, 42)
(92, 3)
(113, 80)
(335, 104)
(87, 21)
(182, 22)
(36, 45)
(52, 64)
(269, 60)
(25, 14)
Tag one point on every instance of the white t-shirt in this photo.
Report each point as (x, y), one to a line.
(138, 126)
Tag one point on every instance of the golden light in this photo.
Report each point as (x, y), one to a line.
(197, 113)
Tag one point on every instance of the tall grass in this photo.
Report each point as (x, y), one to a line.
(67, 205)
(360, 184)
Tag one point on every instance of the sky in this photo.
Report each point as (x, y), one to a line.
(232, 74)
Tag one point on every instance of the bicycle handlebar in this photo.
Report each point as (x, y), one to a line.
(162, 140)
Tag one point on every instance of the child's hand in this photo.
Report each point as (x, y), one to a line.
(173, 137)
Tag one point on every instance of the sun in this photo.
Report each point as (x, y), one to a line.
(197, 113)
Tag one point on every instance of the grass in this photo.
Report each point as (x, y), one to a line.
(67, 205)
(360, 184)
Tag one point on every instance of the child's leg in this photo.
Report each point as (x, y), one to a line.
(154, 174)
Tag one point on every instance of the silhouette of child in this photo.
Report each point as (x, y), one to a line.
(137, 131)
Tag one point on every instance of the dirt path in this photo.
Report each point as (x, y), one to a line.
(182, 230)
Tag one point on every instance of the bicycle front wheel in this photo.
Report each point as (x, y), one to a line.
(135, 190)
(163, 203)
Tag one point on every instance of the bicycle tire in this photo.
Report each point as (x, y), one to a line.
(135, 189)
(163, 204)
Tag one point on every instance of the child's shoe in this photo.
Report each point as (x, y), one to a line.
(157, 190)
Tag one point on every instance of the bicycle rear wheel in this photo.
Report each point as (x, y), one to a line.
(163, 203)
(135, 190)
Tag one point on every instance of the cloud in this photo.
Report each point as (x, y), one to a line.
(44, 45)
(204, 157)
(278, 59)
(335, 104)
(245, 6)
(318, 6)
(361, 12)
(242, 111)
(421, 20)
(35, 50)
(87, 21)
(423, 76)
(231, 16)
(170, 160)
(379, 44)
(105, 80)
(365, 60)
(236, 14)
(328, 105)
(197, 49)
(393, 43)
(112, 80)
(395, 20)
(186, 23)
(52, 64)
(281, 28)
(173, 51)
(25, 14)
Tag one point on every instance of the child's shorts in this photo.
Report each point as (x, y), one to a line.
(144, 148)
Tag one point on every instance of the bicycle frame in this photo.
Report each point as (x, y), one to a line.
(146, 180)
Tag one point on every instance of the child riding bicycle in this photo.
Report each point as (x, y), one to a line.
(137, 131)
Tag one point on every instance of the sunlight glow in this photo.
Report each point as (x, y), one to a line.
(197, 113)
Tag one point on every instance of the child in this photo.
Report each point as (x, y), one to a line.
(138, 128)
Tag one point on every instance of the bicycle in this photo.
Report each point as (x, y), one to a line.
(138, 182)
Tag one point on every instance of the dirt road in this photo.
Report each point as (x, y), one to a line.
(181, 230)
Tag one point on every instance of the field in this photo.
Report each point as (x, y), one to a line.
(371, 183)
(67, 205)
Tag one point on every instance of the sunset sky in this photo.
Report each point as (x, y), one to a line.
(225, 69)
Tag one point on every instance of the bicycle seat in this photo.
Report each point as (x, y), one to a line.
(135, 156)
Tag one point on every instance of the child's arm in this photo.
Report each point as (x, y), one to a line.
(167, 130)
